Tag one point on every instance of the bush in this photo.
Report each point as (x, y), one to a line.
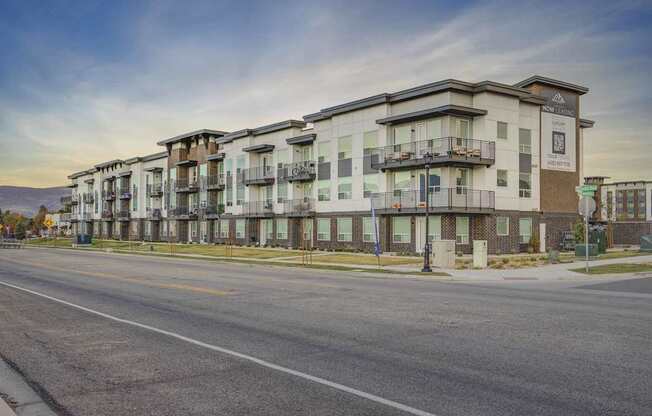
(578, 231)
(505, 260)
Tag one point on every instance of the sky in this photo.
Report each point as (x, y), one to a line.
(82, 82)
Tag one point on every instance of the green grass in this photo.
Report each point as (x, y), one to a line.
(364, 259)
(56, 242)
(617, 268)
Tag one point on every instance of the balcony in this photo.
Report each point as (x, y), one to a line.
(212, 212)
(66, 200)
(74, 218)
(74, 199)
(155, 189)
(88, 198)
(65, 217)
(108, 195)
(154, 214)
(87, 216)
(186, 185)
(185, 213)
(215, 182)
(107, 215)
(300, 171)
(449, 151)
(124, 193)
(124, 215)
(304, 207)
(257, 209)
(442, 200)
(260, 175)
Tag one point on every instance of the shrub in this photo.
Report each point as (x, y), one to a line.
(505, 260)
(460, 254)
(578, 231)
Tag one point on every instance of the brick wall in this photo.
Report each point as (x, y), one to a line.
(629, 233)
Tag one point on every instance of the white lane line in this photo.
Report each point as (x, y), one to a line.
(350, 390)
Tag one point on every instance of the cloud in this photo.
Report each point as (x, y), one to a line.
(253, 67)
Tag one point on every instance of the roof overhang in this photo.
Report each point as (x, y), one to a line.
(125, 173)
(303, 139)
(270, 128)
(89, 181)
(538, 79)
(154, 169)
(586, 123)
(216, 156)
(109, 163)
(456, 110)
(259, 148)
(154, 156)
(71, 185)
(186, 163)
(192, 134)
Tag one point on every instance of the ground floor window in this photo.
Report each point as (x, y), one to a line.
(502, 226)
(434, 228)
(324, 229)
(204, 230)
(368, 232)
(525, 185)
(462, 230)
(239, 228)
(282, 229)
(344, 229)
(268, 229)
(524, 230)
(173, 228)
(401, 230)
(224, 228)
(193, 229)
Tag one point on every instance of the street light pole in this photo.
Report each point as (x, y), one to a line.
(426, 247)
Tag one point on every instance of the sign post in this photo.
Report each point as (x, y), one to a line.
(586, 208)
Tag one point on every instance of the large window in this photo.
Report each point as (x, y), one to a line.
(323, 152)
(344, 148)
(370, 184)
(403, 134)
(282, 157)
(524, 230)
(324, 229)
(462, 230)
(324, 190)
(501, 178)
(282, 228)
(344, 229)
(630, 204)
(525, 185)
(502, 226)
(402, 180)
(401, 230)
(610, 204)
(368, 232)
(281, 191)
(240, 228)
(501, 130)
(224, 228)
(434, 228)
(344, 188)
(620, 198)
(641, 203)
(525, 141)
(370, 139)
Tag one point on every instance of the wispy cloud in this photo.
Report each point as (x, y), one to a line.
(237, 68)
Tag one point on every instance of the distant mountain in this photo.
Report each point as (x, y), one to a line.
(27, 200)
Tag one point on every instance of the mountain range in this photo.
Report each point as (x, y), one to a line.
(27, 200)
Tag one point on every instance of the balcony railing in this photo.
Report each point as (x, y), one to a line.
(459, 199)
(260, 175)
(258, 208)
(154, 189)
(299, 171)
(186, 185)
(153, 214)
(124, 193)
(66, 200)
(87, 216)
(88, 198)
(107, 215)
(442, 151)
(299, 207)
(108, 195)
(215, 182)
(65, 217)
(185, 212)
(124, 215)
(74, 199)
(213, 211)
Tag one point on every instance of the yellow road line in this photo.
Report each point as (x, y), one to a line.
(187, 288)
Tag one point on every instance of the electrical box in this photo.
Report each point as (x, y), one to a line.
(480, 254)
(443, 254)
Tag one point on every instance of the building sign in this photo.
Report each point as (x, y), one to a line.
(559, 102)
(558, 149)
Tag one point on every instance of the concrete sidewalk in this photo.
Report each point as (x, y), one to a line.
(28, 403)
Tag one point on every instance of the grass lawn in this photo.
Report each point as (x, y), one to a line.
(57, 242)
(617, 268)
(367, 260)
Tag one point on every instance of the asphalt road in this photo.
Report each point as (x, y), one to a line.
(185, 337)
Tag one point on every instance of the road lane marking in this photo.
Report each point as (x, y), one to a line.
(263, 363)
(188, 288)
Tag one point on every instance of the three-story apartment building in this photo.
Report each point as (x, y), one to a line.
(489, 161)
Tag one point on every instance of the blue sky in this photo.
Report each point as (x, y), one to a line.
(86, 81)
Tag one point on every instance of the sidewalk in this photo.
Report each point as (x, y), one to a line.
(27, 402)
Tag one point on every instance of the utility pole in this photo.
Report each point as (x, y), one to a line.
(426, 247)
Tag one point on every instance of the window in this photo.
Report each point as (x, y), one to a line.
(344, 148)
(344, 229)
(368, 232)
(281, 192)
(525, 185)
(323, 152)
(501, 130)
(282, 229)
(268, 228)
(193, 229)
(462, 230)
(630, 204)
(641, 203)
(402, 134)
(134, 198)
(401, 230)
(620, 197)
(239, 194)
(370, 139)
(462, 180)
(502, 226)
(434, 228)
(463, 128)
(344, 188)
(370, 184)
(402, 180)
(501, 177)
(239, 228)
(525, 141)
(229, 182)
(323, 229)
(324, 190)
(610, 204)
(224, 228)
(524, 230)
(282, 157)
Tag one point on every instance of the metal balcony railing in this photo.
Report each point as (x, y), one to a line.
(65, 217)
(66, 200)
(299, 207)
(260, 175)
(153, 214)
(74, 199)
(124, 215)
(125, 193)
(107, 215)
(458, 199)
(108, 195)
(299, 171)
(213, 210)
(186, 185)
(154, 189)
(442, 151)
(88, 198)
(258, 208)
(215, 181)
(185, 212)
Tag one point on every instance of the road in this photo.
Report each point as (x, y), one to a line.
(109, 334)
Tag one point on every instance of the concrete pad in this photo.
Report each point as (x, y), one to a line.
(13, 385)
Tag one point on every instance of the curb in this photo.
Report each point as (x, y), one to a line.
(16, 388)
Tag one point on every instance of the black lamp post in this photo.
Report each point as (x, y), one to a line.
(426, 248)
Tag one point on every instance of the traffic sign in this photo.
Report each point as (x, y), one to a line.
(586, 190)
(587, 206)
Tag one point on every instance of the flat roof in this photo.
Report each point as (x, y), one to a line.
(181, 137)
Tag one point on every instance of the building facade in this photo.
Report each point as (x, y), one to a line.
(490, 161)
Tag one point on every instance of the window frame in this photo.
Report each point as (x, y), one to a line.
(320, 234)
(340, 221)
(498, 183)
(409, 230)
(506, 224)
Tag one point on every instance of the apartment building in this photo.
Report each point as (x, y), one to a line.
(626, 205)
(502, 165)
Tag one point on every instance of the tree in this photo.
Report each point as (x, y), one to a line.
(20, 231)
(37, 225)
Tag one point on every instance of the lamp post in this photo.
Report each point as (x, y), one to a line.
(426, 248)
